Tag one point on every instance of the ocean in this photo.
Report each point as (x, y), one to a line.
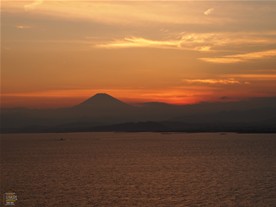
(139, 169)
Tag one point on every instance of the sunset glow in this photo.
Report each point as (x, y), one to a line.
(59, 53)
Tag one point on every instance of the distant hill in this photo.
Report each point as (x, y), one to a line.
(103, 112)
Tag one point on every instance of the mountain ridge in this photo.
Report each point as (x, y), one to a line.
(102, 110)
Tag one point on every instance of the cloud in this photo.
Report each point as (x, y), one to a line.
(223, 60)
(241, 57)
(265, 77)
(114, 12)
(188, 42)
(222, 40)
(201, 42)
(229, 81)
(139, 42)
(209, 11)
(23, 27)
(204, 48)
(33, 5)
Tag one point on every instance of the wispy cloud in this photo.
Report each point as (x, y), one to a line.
(241, 57)
(223, 39)
(33, 5)
(262, 77)
(139, 42)
(113, 12)
(229, 81)
(202, 42)
(23, 26)
(209, 11)
(185, 42)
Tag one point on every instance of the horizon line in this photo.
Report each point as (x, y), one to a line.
(136, 103)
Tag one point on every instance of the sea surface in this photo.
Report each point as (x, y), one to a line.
(139, 169)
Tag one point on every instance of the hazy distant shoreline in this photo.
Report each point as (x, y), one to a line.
(161, 132)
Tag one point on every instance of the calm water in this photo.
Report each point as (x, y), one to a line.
(139, 169)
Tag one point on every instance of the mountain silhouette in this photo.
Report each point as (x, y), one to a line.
(102, 101)
(103, 112)
(101, 109)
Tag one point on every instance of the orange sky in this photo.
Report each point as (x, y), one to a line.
(58, 53)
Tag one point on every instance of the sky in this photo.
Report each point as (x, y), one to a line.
(59, 53)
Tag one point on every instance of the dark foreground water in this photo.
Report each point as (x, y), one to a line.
(139, 169)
